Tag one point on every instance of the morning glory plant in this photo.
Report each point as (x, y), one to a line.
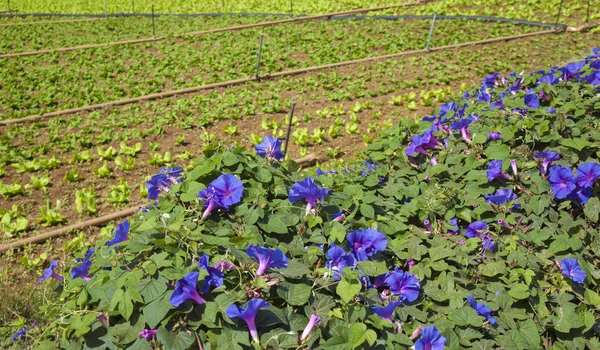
(431, 339)
(248, 314)
(214, 278)
(307, 190)
(50, 273)
(462, 125)
(270, 148)
(312, 322)
(186, 289)
(337, 260)
(587, 174)
(501, 197)
(223, 192)
(120, 234)
(386, 312)
(476, 229)
(570, 269)
(531, 99)
(162, 181)
(547, 158)
(404, 284)
(267, 258)
(365, 243)
(494, 171)
(562, 181)
(481, 309)
(82, 271)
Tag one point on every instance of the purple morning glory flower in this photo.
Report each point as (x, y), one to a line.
(365, 243)
(339, 216)
(50, 273)
(248, 314)
(386, 312)
(462, 125)
(421, 143)
(162, 181)
(562, 181)
(488, 243)
(270, 148)
(82, 270)
(267, 258)
(570, 269)
(581, 194)
(314, 319)
(404, 284)
(494, 135)
(476, 229)
(494, 171)
(308, 190)
(490, 80)
(120, 234)
(214, 278)
(20, 334)
(147, 334)
(513, 165)
(225, 265)
(548, 157)
(223, 192)
(481, 309)
(549, 79)
(453, 222)
(482, 95)
(337, 260)
(587, 174)
(501, 197)
(431, 339)
(532, 100)
(185, 289)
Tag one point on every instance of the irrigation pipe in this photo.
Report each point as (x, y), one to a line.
(302, 162)
(584, 27)
(203, 32)
(47, 22)
(9, 11)
(264, 77)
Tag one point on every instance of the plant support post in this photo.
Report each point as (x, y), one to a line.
(132, 6)
(9, 6)
(289, 130)
(431, 31)
(587, 17)
(292, 7)
(558, 15)
(104, 8)
(153, 29)
(260, 41)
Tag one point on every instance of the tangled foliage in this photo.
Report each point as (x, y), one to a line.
(455, 233)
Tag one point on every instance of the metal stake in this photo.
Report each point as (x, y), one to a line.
(258, 58)
(132, 6)
(587, 17)
(287, 137)
(153, 29)
(558, 15)
(9, 7)
(104, 8)
(431, 31)
(292, 7)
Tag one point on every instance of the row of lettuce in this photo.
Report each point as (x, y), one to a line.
(467, 229)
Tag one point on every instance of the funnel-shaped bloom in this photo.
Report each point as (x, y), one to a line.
(404, 284)
(421, 143)
(587, 174)
(462, 125)
(431, 339)
(248, 314)
(214, 278)
(314, 319)
(337, 260)
(501, 197)
(547, 158)
(82, 270)
(185, 289)
(476, 229)
(454, 223)
(570, 268)
(267, 258)
(162, 181)
(481, 309)
(494, 171)
(223, 192)
(269, 148)
(531, 100)
(20, 334)
(50, 273)
(562, 181)
(365, 243)
(308, 190)
(120, 234)
(386, 312)
(147, 334)
(494, 135)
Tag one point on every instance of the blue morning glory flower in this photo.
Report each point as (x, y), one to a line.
(549, 79)
(501, 197)
(50, 273)
(214, 278)
(386, 312)
(223, 192)
(185, 289)
(494, 171)
(487, 243)
(476, 229)
(120, 234)
(267, 258)
(314, 319)
(581, 194)
(481, 309)
(494, 135)
(453, 222)
(570, 269)
(337, 260)
(490, 80)
(162, 181)
(20, 334)
(270, 148)
(587, 174)
(431, 339)
(308, 190)
(462, 125)
(562, 181)
(421, 143)
(551, 110)
(82, 270)
(248, 314)
(531, 100)
(365, 243)
(548, 157)
(482, 95)
(404, 284)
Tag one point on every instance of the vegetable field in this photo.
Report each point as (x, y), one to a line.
(432, 216)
